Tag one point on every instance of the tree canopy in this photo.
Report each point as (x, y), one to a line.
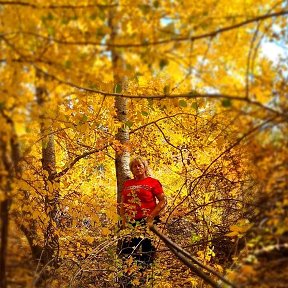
(189, 85)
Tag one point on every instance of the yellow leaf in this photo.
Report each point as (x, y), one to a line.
(105, 231)
(248, 269)
(90, 239)
(136, 282)
(232, 234)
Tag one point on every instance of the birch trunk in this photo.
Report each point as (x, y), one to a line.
(122, 156)
(50, 249)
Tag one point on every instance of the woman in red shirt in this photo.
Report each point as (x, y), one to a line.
(142, 200)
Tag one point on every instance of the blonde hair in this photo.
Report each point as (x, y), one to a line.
(143, 161)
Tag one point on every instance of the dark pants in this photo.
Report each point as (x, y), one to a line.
(141, 249)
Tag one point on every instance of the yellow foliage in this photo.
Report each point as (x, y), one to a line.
(198, 85)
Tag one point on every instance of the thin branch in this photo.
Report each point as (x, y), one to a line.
(160, 119)
(211, 203)
(52, 6)
(236, 143)
(166, 139)
(76, 159)
(249, 59)
(270, 248)
(188, 95)
(165, 41)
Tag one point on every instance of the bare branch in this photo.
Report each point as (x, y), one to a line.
(214, 202)
(197, 180)
(164, 41)
(255, 34)
(52, 6)
(76, 159)
(188, 95)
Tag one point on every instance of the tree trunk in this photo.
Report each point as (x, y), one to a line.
(4, 182)
(9, 158)
(4, 240)
(50, 249)
(122, 156)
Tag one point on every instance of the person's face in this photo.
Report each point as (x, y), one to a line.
(138, 169)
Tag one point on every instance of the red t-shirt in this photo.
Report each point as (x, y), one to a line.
(138, 197)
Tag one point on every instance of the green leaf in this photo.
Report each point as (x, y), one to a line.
(118, 88)
(93, 86)
(182, 103)
(129, 67)
(100, 32)
(144, 113)
(101, 14)
(83, 119)
(195, 238)
(68, 64)
(129, 124)
(2, 105)
(156, 4)
(163, 63)
(226, 103)
(50, 16)
(65, 21)
(195, 105)
(93, 16)
(51, 31)
(166, 89)
(144, 8)
(150, 103)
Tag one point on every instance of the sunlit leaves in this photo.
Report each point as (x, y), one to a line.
(188, 141)
(239, 228)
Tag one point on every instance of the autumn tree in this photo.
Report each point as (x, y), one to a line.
(187, 85)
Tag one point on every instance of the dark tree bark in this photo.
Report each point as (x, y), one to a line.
(4, 241)
(9, 158)
(4, 184)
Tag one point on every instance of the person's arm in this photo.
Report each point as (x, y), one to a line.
(155, 212)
